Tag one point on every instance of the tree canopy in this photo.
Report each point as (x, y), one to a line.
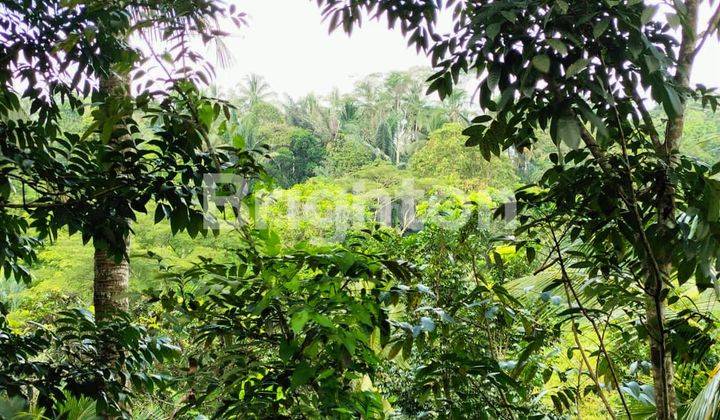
(544, 248)
(583, 71)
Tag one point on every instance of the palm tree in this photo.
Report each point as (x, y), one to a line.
(402, 102)
(455, 106)
(389, 114)
(327, 118)
(254, 91)
(707, 403)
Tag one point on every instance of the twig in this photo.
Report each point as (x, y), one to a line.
(586, 315)
(585, 359)
(712, 27)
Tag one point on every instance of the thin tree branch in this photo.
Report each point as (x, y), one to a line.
(586, 360)
(586, 315)
(712, 27)
(645, 114)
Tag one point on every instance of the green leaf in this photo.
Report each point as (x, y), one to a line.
(671, 102)
(577, 67)
(506, 96)
(595, 121)
(674, 20)
(510, 16)
(481, 119)
(5, 189)
(393, 349)
(705, 406)
(493, 30)
(323, 320)
(374, 341)
(569, 131)
(407, 346)
(298, 320)
(160, 213)
(473, 141)
(562, 6)
(302, 374)
(711, 197)
(206, 115)
(600, 28)
(530, 253)
(541, 62)
(558, 46)
(648, 14)
(239, 141)
(493, 77)
(685, 270)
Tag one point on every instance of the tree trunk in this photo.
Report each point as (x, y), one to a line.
(112, 275)
(663, 370)
(110, 284)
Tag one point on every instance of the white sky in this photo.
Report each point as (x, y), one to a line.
(287, 42)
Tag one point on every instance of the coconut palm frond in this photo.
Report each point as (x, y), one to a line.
(174, 24)
(223, 55)
(706, 405)
(255, 90)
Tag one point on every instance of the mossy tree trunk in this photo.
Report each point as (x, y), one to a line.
(112, 269)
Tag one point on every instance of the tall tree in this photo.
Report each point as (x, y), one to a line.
(112, 272)
(254, 91)
(95, 183)
(585, 71)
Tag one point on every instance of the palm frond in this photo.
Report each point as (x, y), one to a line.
(706, 405)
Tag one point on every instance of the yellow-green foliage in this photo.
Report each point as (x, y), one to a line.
(324, 209)
(315, 210)
(63, 276)
(701, 134)
(347, 155)
(445, 155)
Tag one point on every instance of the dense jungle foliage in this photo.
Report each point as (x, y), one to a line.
(543, 248)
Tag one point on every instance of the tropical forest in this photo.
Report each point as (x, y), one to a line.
(521, 223)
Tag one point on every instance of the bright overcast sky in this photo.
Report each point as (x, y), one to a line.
(287, 42)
